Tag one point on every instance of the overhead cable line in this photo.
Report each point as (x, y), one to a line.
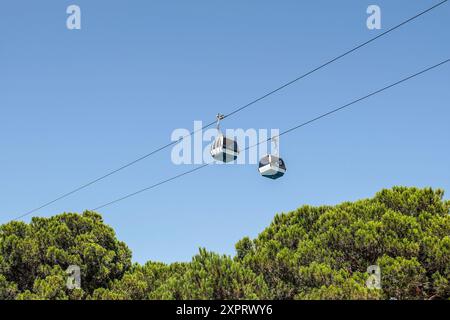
(168, 145)
(282, 133)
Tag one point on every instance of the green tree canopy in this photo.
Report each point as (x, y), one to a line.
(310, 253)
(35, 256)
(324, 252)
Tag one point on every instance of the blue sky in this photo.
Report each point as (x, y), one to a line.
(77, 104)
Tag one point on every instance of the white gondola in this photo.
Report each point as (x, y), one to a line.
(272, 166)
(224, 149)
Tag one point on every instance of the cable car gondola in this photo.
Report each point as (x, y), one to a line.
(272, 166)
(224, 149)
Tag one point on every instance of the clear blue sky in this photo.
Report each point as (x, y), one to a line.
(76, 104)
